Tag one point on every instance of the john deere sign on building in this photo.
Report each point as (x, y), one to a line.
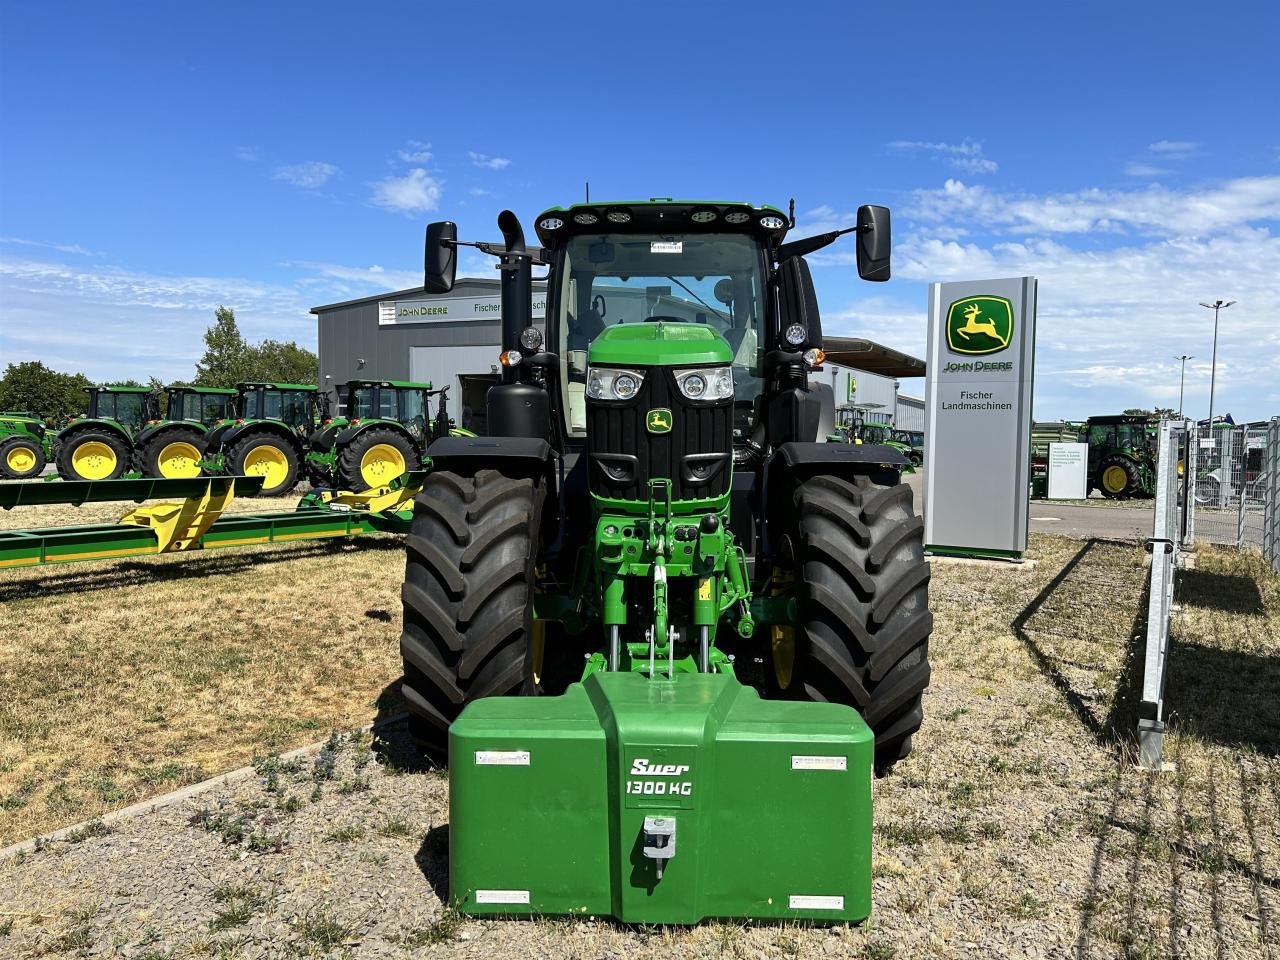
(978, 416)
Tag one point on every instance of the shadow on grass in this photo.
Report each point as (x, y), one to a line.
(1227, 697)
(1226, 592)
(432, 859)
(196, 565)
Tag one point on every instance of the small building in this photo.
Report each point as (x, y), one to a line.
(453, 340)
(910, 415)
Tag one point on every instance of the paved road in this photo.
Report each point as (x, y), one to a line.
(1074, 519)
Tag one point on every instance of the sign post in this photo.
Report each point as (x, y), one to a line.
(978, 417)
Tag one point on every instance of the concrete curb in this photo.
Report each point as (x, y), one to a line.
(178, 796)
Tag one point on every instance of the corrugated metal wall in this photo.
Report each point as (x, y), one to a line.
(853, 386)
(910, 414)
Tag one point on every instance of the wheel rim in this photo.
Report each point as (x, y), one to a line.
(381, 464)
(94, 460)
(20, 460)
(1114, 479)
(269, 463)
(179, 459)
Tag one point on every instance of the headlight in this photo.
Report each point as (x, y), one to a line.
(612, 383)
(531, 339)
(795, 335)
(705, 383)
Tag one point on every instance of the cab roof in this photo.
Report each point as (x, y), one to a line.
(118, 388)
(255, 384)
(223, 391)
(659, 215)
(399, 384)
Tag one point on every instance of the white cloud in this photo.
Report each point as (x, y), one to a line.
(1173, 149)
(1140, 169)
(74, 248)
(416, 192)
(415, 151)
(487, 162)
(966, 156)
(480, 192)
(309, 176)
(248, 154)
(1153, 210)
(373, 278)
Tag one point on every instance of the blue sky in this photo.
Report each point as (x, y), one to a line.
(273, 157)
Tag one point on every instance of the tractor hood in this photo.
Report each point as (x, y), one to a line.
(659, 344)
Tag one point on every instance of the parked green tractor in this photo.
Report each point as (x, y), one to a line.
(911, 442)
(25, 444)
(100, 445)
(383, 432)
(724, 621)
(268, 437)
(173, 446)
(1122, 453)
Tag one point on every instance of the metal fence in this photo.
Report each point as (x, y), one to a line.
(1164, 545)
(1228, 476)
(1271, 513)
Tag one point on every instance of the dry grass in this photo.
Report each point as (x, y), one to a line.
(120, 680)
(1019, 827)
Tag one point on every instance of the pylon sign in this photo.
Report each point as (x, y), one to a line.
(978, 390)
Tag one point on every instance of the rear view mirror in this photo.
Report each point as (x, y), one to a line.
(440, 257)
(875, 242)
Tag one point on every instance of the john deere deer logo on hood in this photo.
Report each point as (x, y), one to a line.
(977, 325)
(659, 420)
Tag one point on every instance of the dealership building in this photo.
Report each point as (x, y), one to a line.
(453, 340)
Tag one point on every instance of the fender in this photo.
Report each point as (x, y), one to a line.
(75, 427)
(794, 463)
(234, 433)
(513, 456)
(157, 428)
(349, 434)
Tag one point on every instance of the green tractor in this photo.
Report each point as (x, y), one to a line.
(100, 445)
(910, 442)
(1122, 455)
(25, 445)
(268, 437)
(718, 623)
(173, 446)
(385, 432)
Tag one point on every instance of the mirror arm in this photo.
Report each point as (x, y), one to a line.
(806, 245)
(538, 256)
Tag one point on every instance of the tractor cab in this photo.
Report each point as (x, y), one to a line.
(130, 407)
(203, 405)
(402, 402)
(295, 405)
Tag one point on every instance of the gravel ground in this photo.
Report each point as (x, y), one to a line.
(1018, 828)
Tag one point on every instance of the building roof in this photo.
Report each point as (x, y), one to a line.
(872, 357)
(417, 293)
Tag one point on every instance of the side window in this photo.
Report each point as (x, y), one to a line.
(387, 403)
(362, 404)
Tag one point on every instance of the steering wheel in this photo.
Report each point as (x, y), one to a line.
(664, 318)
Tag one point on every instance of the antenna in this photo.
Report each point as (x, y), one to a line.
(587, 184)
(792, 212)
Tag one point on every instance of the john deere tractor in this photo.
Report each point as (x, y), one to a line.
(719, 625)
(384, 432)
(25, 444)
(1122, 454)
(100, 445)
(268, 437)
(173, 446)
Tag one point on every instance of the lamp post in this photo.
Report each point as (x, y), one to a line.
(1182, 380)
(1216, 306)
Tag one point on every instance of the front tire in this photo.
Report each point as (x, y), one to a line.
(856, 556)
(173, 454)
(467, 594)
(375, 458)
(268, 456)
(1118, 478)
(21, 458)
(93, 454)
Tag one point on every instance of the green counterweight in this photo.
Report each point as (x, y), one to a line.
(641, 799)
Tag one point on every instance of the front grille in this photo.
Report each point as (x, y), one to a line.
(695, 456)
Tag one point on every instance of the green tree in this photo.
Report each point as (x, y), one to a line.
(226, 359)
(229, 359)
(33, 386)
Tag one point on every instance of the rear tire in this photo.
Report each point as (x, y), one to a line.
(268, 456)
(371, 459)
(1118, 478)
(857, 554)
(173, 454)
(102, 455)
(21, 458)
(467, 594)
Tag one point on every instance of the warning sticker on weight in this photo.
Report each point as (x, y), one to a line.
(666, 246)
(803, 762)
(816, 903)
(502, 896)
(502, 758)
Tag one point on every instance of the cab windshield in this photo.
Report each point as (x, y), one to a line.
(715, 279)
